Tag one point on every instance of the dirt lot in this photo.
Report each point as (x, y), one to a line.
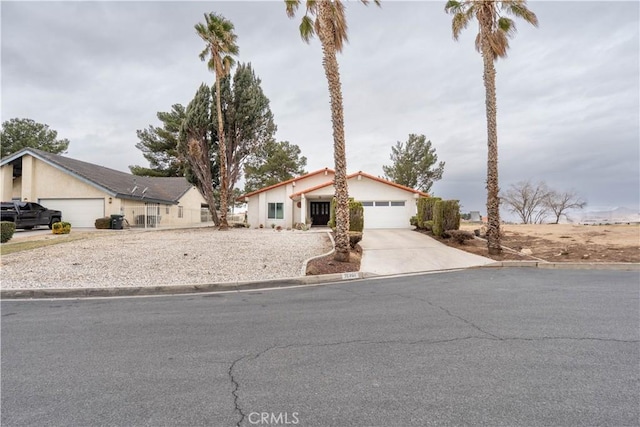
(562, 242)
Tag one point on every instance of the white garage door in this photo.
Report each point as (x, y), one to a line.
(386, 214)
(79, 212)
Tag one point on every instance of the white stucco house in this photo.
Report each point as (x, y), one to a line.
(307, 199)
(85, 191)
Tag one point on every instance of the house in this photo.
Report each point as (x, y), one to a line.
(85, 191)
(307, 199)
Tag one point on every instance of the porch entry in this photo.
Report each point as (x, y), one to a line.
(319, 213)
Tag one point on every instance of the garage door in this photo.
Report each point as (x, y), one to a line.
(79, 212)
(386, 214)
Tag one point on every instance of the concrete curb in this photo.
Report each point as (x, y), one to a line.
(619, 266)
(177, 289)
(303, 272)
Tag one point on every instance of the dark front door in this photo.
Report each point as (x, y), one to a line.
(319, 213)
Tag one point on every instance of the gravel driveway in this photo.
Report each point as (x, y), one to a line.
(167, 257)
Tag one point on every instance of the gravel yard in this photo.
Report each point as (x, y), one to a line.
(166, 257)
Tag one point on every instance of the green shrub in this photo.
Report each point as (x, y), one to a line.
(438, 219)
(428, 225)
(356, 215)
(425, 209)
(103, 223)
(446, 216)
(61, 228)
(7, 228)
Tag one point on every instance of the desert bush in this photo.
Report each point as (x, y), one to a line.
(61, 228)
(7, 228)
(428, 225)
(414, 221)
(103, 223)
(354, 238)
(459, 235)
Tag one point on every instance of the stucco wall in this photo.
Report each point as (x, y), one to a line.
(257, 206)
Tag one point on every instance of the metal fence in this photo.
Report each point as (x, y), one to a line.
(153, 215)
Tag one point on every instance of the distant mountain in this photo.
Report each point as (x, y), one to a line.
(620, 214)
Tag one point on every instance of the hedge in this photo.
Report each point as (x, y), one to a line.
(356, 215)
(446, 216)
(425, 210)
(7, 228)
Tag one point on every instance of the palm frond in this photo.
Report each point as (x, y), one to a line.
(507, 26)
(459, 22)
(499, 44)
(339, 24)
(520, 10)
(307, 30)
(453, 7)
(291, 7)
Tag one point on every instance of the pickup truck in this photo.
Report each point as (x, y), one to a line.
(27, 215)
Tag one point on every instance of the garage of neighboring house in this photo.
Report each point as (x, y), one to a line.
(85, 192)
(79, 212)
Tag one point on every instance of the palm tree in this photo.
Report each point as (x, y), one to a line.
(217, 32)
(330, 25)
(492, 42)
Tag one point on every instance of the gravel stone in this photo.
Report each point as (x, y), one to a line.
(164, 257)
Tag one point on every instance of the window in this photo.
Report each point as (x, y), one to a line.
(397, 203)
(275, 211)
(367, 203)
(167, 210)
(382, 203)
(180, 212)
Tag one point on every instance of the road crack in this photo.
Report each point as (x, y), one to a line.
(234, 392)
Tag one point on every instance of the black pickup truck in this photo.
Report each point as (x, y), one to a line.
(27, 215)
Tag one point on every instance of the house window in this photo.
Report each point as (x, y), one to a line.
(382, 203)
(180, 212)
(397, 203)
(367, 203)
(167, 210)
(275, 211)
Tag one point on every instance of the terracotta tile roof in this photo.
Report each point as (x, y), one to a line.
(253, 193)
(366, 175)
(119, 184)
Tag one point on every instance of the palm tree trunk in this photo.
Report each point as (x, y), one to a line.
(222, 158)
(493, 201)
(199, 158)
(331, 69)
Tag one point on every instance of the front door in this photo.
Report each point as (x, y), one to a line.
(319, 213)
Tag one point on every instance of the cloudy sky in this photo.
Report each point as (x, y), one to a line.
(568, 94)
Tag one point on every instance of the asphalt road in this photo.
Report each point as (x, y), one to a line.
(516, 347)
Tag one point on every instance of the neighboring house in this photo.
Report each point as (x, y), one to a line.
(307, 199)
(85, 192)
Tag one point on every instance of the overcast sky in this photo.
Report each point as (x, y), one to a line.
(568, 94)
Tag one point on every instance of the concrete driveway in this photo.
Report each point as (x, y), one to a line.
(398, 251)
